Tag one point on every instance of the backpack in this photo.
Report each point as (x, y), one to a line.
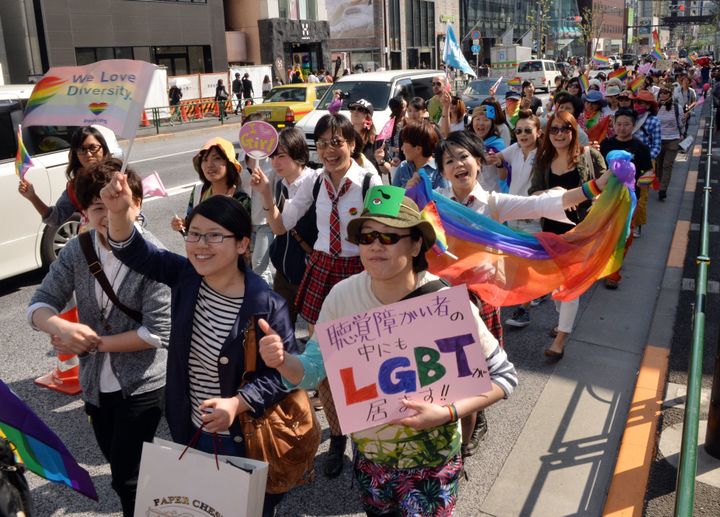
(14, 489)
(289, 252)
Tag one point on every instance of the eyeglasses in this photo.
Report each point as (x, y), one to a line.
(210, 237)
(555, 130)
(335, 143)
(521, 130)
(384, 238)
(92, 149)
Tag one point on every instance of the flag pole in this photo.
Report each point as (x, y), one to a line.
(127, 155)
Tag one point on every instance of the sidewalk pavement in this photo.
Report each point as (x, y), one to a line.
(564, 460)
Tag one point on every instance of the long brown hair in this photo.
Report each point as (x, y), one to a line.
(547, 150)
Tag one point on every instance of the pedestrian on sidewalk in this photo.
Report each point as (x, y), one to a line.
(647, 130)
(671, 128)
(175, 95)
(221, 97)
(563, 162)
(412, 466)
(122, 336)
(236, 88)
(247, 90)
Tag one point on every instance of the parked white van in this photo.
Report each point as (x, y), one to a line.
(377, 88)
(541, 72)
(25, 242)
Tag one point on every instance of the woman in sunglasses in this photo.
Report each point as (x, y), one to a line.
(361, 112)
(88, 146)
(412, 466)
(337, 200)
(562, 162)
(214, 294)
(453, 114)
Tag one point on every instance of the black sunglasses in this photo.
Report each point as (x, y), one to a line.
(554, 130)
(384, 238)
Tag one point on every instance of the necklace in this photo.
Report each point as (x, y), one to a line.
(105, 303)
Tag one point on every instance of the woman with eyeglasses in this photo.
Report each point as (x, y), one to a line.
(337, 198)
(562, 162)
(573, 87)
(453, 113)
(88, 146)
(483, 125)
(411, 466)
(214, 294)
(219, 173)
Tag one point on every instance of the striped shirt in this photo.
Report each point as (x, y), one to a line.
(214, 317)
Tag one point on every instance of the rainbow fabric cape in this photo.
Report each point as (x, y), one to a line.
(600, 60)
(507, 267)
(22, 159)
(37, 447)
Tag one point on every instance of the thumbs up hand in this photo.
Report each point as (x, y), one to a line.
(271, 346)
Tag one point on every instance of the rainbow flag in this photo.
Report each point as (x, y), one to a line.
(22, 159)
(430, 214)
(515, 81)
(584, 83)
(507, 267)
(636, 83)
(621, 73)
(657, 55)
(37, 447)
(601, 60)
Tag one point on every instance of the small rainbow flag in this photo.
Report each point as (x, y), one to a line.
(584, 83)
(636, 83)
(22, 159)
(600, 60)
(656, 54)
(620, 73)
(430, 214)
(515, 81)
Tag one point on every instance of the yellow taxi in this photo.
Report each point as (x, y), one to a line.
(285, 105)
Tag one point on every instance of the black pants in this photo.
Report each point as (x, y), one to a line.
(121, 425)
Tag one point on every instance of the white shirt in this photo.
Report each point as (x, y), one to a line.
(506, 207)
(350, 206)
(306, 175)
(521, 169)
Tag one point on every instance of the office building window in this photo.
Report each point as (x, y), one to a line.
(181, 60)
(298, 9)
(394, 24)
(87, 55)
(420, 23)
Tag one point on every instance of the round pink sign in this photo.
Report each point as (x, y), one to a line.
(258, 139)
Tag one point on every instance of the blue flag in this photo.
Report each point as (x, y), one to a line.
(453, 56)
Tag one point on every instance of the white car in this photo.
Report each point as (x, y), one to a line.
(25, 242)
(377, 88)
(541, 72)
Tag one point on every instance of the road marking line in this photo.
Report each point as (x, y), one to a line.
(695, 227)
(678, 246)
(688, 284)
(162, 156)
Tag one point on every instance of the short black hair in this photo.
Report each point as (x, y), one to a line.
(464, 139)
(423, 134)
(335, 124)
(418, 103)
(232, 176)
(563, 97)
(89, 184)
(626, 112)
(293, 142)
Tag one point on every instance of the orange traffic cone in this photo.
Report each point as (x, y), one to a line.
(216, 109)
(64, 377)
(198, 111)
(144, 122)
(183, 113)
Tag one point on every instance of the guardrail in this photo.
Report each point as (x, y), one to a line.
(192, 112)
(687, 465)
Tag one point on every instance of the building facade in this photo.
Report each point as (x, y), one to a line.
(186, 37)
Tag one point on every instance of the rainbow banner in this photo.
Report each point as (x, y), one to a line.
(430, 214)
(110, 93)
(636, 84)
(507, 267)
(601, 60)
(22, 159)
(515, 81)
(584, 83)
(37, 447)
(621, 73)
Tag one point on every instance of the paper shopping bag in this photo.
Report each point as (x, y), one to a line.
(686, 143)
(195, 485)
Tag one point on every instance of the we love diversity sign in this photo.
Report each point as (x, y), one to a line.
(110, 93)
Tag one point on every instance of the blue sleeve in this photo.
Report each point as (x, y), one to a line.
(265, 386)
(313, 365)
(157, 264)
(401, 176)
(61, 212)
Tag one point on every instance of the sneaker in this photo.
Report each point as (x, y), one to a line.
(520, 318)
(477, 435)
(662, 194)
(538, 301)
(336, 455)
(637, 231)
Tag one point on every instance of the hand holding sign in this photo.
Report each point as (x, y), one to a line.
(271, 346)
(426, 415)
(259, 180)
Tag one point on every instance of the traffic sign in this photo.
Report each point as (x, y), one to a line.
(475, 34)
(476, 42)
(475, 49)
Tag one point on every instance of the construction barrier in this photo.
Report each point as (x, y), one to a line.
(64, 377)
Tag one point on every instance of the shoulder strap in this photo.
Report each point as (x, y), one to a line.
(280, 195)
(96, 271)
(430, 287)
(250, 346)
(316, 187)
(589, 162)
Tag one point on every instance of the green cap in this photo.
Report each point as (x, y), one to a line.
(384, 200)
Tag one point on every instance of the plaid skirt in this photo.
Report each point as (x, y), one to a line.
(491, 317)
(323, 271)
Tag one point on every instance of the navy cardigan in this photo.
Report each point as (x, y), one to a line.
(264, 387)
